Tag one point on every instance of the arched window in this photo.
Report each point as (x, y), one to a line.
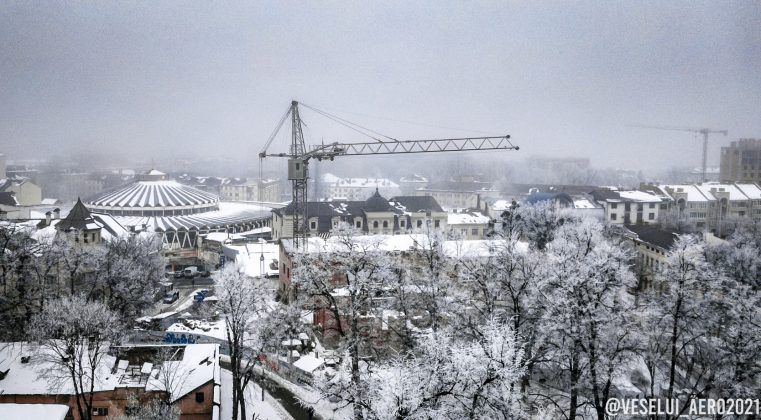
(385, 224)
(375, 224)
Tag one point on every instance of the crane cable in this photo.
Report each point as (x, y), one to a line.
(349, 124)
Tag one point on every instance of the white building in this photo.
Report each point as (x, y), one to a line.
(631, 206)
(357, 189)
(469, 225)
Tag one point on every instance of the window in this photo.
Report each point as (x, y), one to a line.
(613, 216)
(199, 397)
(100, 411)
(436, 223)
(651, 216)
(614, 205)
(375, 224)
(651, 205)
(313, 225)
(474, 232)
(401, 222)
(359, 224)
(419, 223)
(385, 224)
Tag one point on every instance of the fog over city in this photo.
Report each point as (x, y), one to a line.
(151, 80)
(377, 210)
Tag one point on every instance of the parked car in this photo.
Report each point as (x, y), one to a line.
(191, 272)
(171, 297)
(178, 274)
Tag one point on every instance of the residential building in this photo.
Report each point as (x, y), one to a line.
(86, 227)
(376, 216)
(26, 192)
(652, 245)
(138, 371)
(631, 206)
(711, 205)
(468, 224)
(741, 161)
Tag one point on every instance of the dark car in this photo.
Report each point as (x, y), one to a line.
(171, 297)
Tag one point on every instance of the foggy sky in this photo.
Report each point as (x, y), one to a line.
(155, 79)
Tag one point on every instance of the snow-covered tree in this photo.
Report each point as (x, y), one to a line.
(128, 276)
(241, 300)
(683, 319)
(345, 283)
(504, 285)
(74, 336)
(585, 319)
(453, 378)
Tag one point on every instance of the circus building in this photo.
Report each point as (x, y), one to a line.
(180, 213)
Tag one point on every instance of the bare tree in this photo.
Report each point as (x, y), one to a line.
(74, 336)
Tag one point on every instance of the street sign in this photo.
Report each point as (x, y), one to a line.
(221, 261)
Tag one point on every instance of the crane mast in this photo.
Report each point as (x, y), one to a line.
(299, 157)
(704, 131)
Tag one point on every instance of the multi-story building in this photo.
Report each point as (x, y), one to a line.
(374, 216)
(741, 161)
(459, 194)
(711, 205)
(241, 189)
(356, 189)
(631, 207)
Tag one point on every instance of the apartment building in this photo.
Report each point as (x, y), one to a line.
(741, 161)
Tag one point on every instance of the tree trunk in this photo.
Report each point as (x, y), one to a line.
(674, 331)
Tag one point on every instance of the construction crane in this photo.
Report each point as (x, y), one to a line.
(299, 155)
(704, 131)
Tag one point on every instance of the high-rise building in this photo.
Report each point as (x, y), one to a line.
(741, 161)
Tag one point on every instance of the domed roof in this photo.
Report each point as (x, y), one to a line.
(377, 203)
(153, 194)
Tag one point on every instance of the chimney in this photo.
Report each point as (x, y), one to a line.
(56, 213)
(478, 201)
(47, 218)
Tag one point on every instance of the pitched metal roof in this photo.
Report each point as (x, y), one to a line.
(161, 193)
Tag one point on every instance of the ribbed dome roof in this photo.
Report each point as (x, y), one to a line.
(153, 194)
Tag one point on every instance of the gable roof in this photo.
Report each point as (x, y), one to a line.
(8, 198)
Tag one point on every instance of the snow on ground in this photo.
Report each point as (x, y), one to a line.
(269, 409)
(249, 257)
(322, 407)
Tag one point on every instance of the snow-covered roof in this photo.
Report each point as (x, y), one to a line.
(752, 191)
(692, 191)
(467, 219)
(708, 189)
(583, 203)
(248, 257)
(639, 196)
(308, 363)
(33, 411)
(49, 201)
(199, 365)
